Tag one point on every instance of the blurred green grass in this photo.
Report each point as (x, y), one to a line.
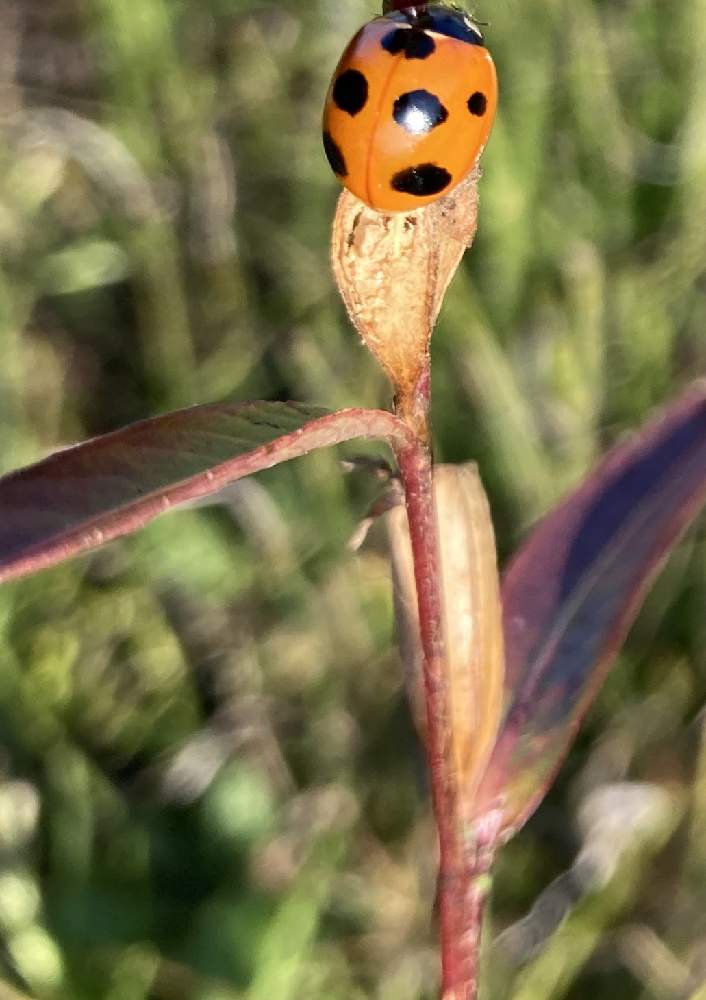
(209, 788)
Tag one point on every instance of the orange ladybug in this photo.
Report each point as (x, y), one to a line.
(410, 107)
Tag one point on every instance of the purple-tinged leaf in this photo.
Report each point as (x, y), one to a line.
(572, 591)
(84, 496)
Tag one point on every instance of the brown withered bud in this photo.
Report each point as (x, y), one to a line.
(393, 270)
(472, 618)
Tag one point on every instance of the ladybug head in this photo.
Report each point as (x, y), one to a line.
(442, 18)
(411, 10)
(389, 6)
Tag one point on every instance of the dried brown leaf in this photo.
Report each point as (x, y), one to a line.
(472, 618)
(393, 270)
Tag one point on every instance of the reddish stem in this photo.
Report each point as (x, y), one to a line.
(462, 883)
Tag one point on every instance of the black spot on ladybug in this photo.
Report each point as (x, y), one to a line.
(424, 179)
(477, 104)
(334, 156)
(419, 111)
(413, 43)
(350, 91)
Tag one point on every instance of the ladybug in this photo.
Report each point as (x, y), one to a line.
(410, 106)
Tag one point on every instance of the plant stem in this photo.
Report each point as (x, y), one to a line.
(462, 883)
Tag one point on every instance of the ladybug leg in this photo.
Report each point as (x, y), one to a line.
(398, 226)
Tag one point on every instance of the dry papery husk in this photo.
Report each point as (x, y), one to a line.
(393, 270)
(472, 618)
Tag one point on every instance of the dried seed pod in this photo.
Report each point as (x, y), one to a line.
(393, 270)
(474, 660)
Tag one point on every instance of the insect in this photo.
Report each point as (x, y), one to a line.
(410, 106)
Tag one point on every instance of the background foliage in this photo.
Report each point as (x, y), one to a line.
(209, 788)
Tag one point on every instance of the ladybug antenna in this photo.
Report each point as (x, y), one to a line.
(477, 20)
(389, 5)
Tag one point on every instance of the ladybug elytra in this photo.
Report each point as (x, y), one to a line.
(410, 107)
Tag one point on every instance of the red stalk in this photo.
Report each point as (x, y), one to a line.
(462, 880)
